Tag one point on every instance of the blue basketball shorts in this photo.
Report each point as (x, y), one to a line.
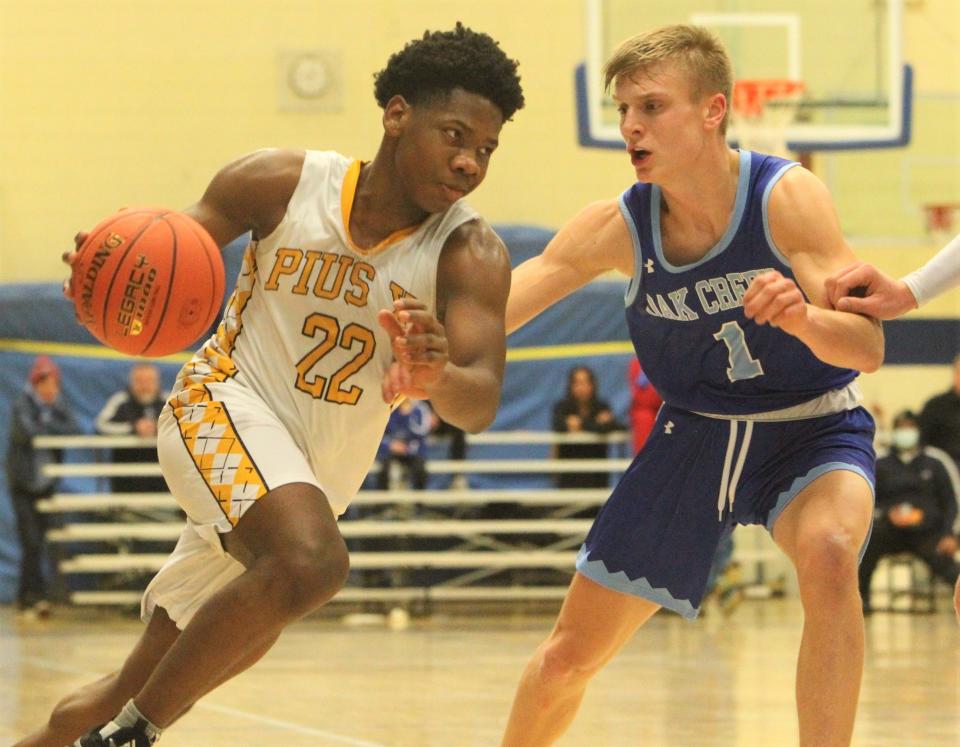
(695, 479)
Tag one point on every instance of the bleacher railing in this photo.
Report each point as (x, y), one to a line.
(405, 545)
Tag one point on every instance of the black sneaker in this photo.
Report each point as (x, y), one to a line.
(125, 736)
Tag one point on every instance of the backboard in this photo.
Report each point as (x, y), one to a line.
(858, 91)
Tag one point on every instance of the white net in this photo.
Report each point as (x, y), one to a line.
(763, 110)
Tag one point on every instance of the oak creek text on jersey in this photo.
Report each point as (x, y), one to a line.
(715, 294)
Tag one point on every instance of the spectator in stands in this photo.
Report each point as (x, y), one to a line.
(940, 418)
(457, 450)
(40, 411)
(404, 442)
(134, 412)
(581, 411)
(644, 404)
(916, 506)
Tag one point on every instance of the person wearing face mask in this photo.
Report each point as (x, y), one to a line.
(916, 506)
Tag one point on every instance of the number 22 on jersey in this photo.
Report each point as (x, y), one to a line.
(334, 389)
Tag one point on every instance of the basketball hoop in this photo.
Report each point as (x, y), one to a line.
(941, 219)
(763, 109)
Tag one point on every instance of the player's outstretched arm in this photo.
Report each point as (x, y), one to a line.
(593, 242)
(249, 194)
(887, 298)
(455, 359)
(805, 228)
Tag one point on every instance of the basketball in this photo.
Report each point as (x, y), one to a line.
(147, 281)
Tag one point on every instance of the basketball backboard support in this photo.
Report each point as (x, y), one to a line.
(858, 90)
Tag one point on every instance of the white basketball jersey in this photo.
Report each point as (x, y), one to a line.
(301, 330)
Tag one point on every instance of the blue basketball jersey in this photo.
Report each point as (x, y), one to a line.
(687, 323)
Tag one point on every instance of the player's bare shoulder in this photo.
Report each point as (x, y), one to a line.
(800, 206)
(253, 191)
(474, 247)
(473, 255)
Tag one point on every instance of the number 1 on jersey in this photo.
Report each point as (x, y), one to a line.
(742, 364)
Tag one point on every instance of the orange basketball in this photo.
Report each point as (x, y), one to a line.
(147, 281)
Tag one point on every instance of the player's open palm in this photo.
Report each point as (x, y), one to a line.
(776, 300)
(420, 349)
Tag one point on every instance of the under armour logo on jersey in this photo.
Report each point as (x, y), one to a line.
(668, 427)
(649, 265)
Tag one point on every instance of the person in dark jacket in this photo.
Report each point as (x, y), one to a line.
(134, 412)
(581, 411)
(39, 411)
(940, 418)
(916, 506)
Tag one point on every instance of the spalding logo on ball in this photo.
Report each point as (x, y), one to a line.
(147, 281)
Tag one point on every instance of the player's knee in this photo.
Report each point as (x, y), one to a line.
(563, 664)
(309, 576)
(827, 559)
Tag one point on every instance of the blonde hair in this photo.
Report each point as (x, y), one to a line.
(694, 48)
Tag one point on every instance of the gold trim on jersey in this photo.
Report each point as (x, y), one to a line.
(217, 450)
(232, 323)
(347, 193)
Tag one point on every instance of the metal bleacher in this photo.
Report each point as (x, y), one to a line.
(406, 545)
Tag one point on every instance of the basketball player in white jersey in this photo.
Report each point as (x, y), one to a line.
(365, 281)
(884, 297)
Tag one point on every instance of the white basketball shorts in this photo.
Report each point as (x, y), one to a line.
(221, 449)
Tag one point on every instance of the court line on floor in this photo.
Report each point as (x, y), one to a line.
(225, 710)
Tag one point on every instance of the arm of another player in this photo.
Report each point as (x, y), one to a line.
(593, 242)
(887, 298)
(805, 227)
(455, 361)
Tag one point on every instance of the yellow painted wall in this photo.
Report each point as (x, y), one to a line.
(105, 103)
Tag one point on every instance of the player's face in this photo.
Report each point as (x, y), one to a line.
(660, 122)
(445, 148)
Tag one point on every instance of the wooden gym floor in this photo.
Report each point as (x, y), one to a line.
(448, 682)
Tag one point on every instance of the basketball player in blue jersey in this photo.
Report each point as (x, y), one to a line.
(273, 424)
(727, 253)
(885, 297)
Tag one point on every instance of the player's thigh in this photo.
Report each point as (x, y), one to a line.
(291, 519)
(234, 466)
(833, 512)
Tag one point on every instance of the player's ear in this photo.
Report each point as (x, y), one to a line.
(395, 115)
(715, 109)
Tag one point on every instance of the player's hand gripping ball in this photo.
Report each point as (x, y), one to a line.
(147, 281)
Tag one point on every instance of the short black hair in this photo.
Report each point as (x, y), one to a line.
(430, 68)
(906, 415)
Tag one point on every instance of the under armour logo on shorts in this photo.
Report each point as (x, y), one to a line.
(668, 427)
(649, 265)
